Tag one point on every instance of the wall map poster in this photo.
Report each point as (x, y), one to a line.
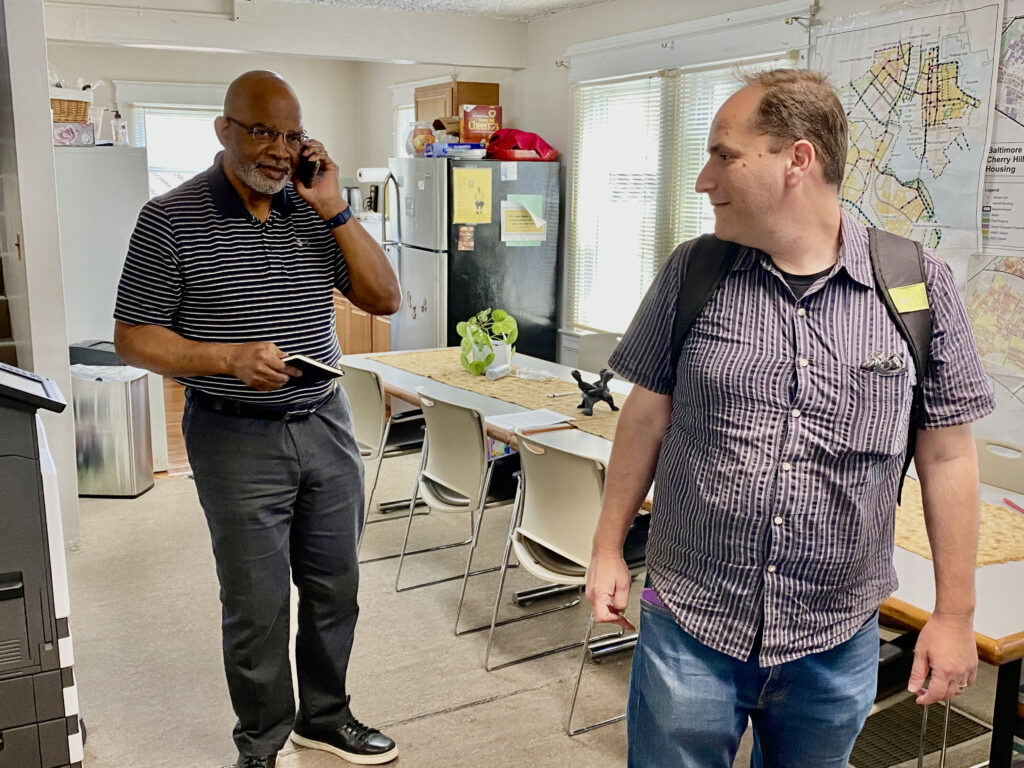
(925, 90)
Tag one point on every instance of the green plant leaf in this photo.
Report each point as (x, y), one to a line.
(477, 367)
(461, 329)
(498, 315)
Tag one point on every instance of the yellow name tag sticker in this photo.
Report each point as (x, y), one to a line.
(909, 298)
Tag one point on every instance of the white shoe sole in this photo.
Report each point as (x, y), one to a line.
(383, 757)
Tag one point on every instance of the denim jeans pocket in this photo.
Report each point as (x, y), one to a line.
(656, 610)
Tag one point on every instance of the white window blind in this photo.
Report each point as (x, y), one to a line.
(616, 134)
(639, 145)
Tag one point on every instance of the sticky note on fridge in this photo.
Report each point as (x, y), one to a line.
(471, 195)
(522, 221)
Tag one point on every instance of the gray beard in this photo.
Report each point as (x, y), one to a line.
(252, 178)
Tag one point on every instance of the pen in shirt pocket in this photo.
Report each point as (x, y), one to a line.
(884, 365)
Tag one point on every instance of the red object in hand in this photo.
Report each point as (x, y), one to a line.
(512, 144)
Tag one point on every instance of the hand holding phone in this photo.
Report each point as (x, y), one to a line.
(307, 170)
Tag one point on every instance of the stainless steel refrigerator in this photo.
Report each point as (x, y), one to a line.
(465, 246)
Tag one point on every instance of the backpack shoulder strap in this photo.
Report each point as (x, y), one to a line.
(708, 261)
(898, 267)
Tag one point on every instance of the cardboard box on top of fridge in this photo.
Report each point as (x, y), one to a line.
(478, 121)
(447, 124)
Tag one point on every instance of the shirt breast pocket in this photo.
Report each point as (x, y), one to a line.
(877, 411)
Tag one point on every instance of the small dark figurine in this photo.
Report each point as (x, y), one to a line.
(596, 392)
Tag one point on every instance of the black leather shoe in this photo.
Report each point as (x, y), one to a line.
(354, 742)
(256, 761)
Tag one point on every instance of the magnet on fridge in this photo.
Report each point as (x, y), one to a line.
(466, 233)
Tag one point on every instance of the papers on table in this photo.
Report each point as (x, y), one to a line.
(542, 417)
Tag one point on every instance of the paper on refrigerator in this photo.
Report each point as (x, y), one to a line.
(522, 221)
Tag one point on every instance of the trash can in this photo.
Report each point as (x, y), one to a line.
(112, 432)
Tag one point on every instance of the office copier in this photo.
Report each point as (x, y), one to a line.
(39, 723)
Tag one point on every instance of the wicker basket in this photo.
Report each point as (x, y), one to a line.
(70, 106)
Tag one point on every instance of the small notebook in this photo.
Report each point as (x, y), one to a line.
(313, 371)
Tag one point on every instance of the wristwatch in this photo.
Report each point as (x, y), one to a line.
(340, 218)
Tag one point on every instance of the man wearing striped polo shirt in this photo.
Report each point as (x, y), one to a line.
(776, 451)
(226, 275)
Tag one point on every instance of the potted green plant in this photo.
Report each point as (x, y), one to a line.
(484, 333)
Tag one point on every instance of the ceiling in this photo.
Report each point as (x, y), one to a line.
(514, 10)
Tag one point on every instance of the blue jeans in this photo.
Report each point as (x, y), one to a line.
(689, 704)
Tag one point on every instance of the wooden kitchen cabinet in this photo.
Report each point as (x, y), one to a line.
(443, 99)
(380, 335)
(359, 331)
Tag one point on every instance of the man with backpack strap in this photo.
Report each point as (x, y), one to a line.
(774, 419)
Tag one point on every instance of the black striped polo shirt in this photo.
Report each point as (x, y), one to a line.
(200, 264)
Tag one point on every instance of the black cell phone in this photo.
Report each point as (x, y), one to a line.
(307, 170)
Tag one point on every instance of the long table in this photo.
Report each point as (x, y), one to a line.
(999, 614)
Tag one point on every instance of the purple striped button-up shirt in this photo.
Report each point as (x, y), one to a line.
(776, 484)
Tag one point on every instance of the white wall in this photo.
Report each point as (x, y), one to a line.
(34, 274)
(326, 89)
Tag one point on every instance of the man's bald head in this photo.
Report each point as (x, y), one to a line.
(254, 94)
(260, 99)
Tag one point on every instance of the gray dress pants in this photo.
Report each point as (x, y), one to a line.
(283, 499)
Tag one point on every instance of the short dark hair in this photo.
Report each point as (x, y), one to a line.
(801, 104)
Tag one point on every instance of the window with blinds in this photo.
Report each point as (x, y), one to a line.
(639, 144)
(180, 143)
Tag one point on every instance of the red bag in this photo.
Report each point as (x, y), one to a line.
(511, 144)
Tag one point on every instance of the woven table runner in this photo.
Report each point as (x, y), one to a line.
(443, 365)
(1000, 536)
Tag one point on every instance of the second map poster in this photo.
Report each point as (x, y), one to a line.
(917, 85)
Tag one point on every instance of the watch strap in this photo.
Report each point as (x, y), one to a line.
(340, 218)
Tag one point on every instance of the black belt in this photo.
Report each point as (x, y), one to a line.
(229, 407)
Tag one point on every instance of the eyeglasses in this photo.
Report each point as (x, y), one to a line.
(263, 134)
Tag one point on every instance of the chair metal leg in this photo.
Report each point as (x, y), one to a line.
(587, 644)
(612, 644)
(406, 552)
(527, 596)
(516, 511)
(396, 505)
(412, 512)
(476, 520)
(373, 485)
(437, 548)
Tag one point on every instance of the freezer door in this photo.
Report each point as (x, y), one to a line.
(422, 200)
(419, 322)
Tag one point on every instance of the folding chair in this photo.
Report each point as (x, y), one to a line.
(378, 435)
(551, 534)
(456, 476)
(1000, 464)
(594, 350)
